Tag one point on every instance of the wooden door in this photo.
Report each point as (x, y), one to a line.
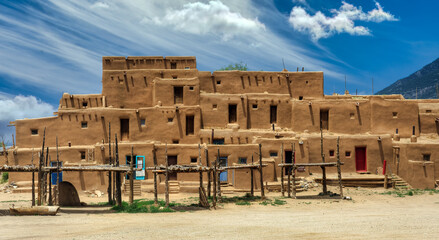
(172, 160)
(273, 114)
(360, 159)
(232, 113)
(124, 129)
(324, 119)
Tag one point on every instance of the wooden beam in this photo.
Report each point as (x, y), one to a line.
(118, 180)
(155, 175)
(282, 170)
(132, 176)
(339, 168)
(110, 199)
(166, 177)
(325, 189)
(261, 173)
(252, 187)
(294, 170)
(209, 173)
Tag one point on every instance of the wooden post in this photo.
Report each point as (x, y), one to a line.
(40, 172)
(289, 181)
(166, 177)
(261, 173)
(252, 187)
(110, 195)
(209, 173)
(33, 180)
(13, 141)
(118, 180)
(386, 181)
(282, 170)
(201, 172)
(132, 176)
(219, 177)
(214, 183)
(339, 168)
(57, 173)
(155, 175)
(5, 154)
(45, 177)
(50, 189)
(294, 170)
(325, 190)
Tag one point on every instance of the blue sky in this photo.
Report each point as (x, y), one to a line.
(51, 47)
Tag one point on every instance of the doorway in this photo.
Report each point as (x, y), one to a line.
(288, 159)
(273, 114)
(232, 113)
(190, 125)
(178, 95)
(324, 119)
(360, 159)
(54, 175)
(223, 163)
(124, 129)
(172, 160)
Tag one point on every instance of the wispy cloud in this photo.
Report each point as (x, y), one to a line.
(19, 107)
(342, 21)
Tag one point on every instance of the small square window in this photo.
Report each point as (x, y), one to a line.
(187, 68)
(273, 154)
(352, 116)
(84, 125)
(428, 111)
(191, 88)
(348, 153)
(242, 160)
(82, 155)
(306, 82)
(34, 131)
(194, 160)
(218, 82)
(120, 80)
(300, 97)
(173, 65)
(395, 115)
(214, 106)
(255, 106)
(170, 119)
(426, 157)
(174, 77)
(142, 122)
(218, 141)
(84, 104)
(331, 153)
(175, 141)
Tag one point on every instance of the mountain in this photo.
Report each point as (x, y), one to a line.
(425, 80)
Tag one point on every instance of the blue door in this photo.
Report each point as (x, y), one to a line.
(55, 174)
(140, 163)
(223, 163)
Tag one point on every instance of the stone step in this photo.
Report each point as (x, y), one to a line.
(24, 190)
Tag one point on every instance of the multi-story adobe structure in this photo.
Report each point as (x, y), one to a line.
(152, 102)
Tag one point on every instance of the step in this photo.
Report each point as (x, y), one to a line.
(24, 190)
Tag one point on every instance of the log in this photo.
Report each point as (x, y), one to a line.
(340, 185)
(40, 173)
(167, 177)
(132, 176)
(325, 189)
(201, 175)
(33, 180)
(155, 175)
(203, 199)
(118, 180)
(110, 199)
(294, 170)
(218, 177)
(209, 173)
(252, 187)
(57, 173)
(36, 210)
(261, 173)
(214, 183)
(281, 170)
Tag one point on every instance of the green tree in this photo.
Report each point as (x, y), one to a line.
(235, 66)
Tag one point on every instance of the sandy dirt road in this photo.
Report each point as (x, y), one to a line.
(369, 216)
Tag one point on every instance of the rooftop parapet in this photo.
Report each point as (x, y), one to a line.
(151, 62)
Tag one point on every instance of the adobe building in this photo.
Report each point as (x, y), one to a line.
(165, 102)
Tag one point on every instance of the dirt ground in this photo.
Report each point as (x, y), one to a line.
(370, 215)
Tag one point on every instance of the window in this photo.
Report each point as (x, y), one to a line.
(348, 153)
(174, 77)
(170, 119)
(34, 131)
(194, 160)
(273, 154)
(428, 111)
(175, 141)
(82, 155)
(426, 157)
(173, 65)
(306, 82)
(84, 124)
(191, 88)
(124, 129)
(331, 153)
(242, 160)
(142, 122)
(324, 119)
(218, 82)
(273, 114)
(178, 95)
(255, 106)
(214, 106)
(187, 68)
(395, 115)
(218, 141)
(300, 97)
(84, 104)
(190, 125)
(232, 113)
(120, 80)
(352, 116)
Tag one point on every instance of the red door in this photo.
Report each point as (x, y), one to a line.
(360, 159)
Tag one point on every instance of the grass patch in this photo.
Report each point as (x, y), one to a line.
(246, 198)
(5, 177)
(144, 206)
(243, 203)
(276, 202)
(410, 192)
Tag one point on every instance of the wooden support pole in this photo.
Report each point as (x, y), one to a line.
(294, 170)
(325, 190)
(57, 173)
(118, 180)
(50, 189)
(209, 173)
(33, 180)
(261, 173)
(339, 167)
(282, 190)
(166, 177)
(132, 176)
(40, 172)
(214, 183)
(110, 161)
(113, 184)
(252, 186)
(154, 151)
(201, 173)
(219, 177)
(289, 181)
(45, 177)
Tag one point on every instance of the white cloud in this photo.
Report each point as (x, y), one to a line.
(100, 5)
(342, 21)
(211, 18)
(19, 107)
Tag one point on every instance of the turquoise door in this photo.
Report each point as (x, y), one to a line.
(223, 163)
(140, 163)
